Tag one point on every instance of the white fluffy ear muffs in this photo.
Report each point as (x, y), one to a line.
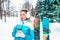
(32, 20)
(28, 14)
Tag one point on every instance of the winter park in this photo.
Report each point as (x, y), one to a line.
(29, 19)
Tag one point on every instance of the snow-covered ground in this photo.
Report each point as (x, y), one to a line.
(55, 31)
(6, 29)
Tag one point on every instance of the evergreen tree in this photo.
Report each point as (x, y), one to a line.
(46, 7)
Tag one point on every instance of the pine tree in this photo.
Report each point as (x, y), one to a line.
(46, 7)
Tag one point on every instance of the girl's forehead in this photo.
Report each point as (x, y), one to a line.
(23, 13)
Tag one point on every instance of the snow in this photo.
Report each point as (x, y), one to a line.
(55, 31)
(7, 27)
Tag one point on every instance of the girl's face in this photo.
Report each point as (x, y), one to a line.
(23, 15)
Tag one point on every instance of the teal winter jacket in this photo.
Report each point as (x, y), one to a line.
(26, 27)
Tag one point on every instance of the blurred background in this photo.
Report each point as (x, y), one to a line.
(9, 15)
(37, 8)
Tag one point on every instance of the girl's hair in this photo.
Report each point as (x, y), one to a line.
(24, 11)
